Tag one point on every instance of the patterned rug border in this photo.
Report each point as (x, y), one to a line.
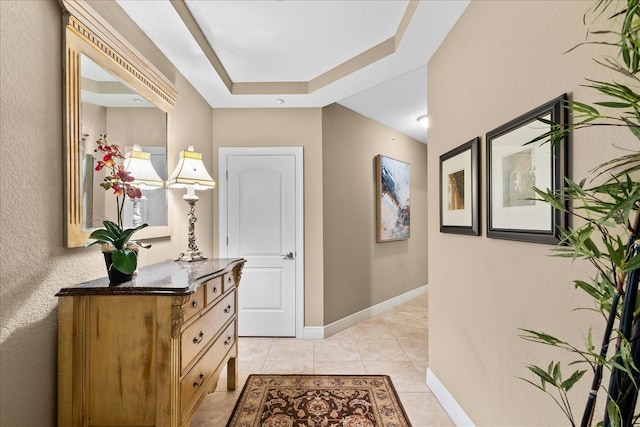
(256, 419)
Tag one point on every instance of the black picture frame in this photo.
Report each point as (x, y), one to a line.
(515, 167)
(460, 189)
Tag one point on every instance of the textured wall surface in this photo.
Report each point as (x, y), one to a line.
(359, 272)
(34, 264)
(501, 60)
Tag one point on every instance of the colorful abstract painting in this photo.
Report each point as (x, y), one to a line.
(393, 199)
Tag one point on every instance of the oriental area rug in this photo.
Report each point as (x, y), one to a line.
(318, 401)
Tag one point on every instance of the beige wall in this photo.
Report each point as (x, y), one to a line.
(359, 272)
(34, 264)
(270, 127)
(501, 60)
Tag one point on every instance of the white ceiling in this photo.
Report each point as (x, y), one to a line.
(368, 55)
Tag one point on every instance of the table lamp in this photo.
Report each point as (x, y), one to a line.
(190, 173)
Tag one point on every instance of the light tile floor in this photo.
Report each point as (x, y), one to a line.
(393, 343)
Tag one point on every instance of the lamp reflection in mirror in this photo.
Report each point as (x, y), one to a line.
(138, 164)
(190, 173)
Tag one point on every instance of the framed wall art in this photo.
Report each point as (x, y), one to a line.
(393, 199)
(515, 167)
(460, 189)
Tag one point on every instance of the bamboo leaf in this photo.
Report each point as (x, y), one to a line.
(612, 104)
(557, 374)
(583, 108)
(632, 264)
(590, 345)
(542, 337)
(540, 387)
(542, 374)
(633, 127)
(574, 378)
(588, 288)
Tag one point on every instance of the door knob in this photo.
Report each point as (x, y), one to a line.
(288, 255)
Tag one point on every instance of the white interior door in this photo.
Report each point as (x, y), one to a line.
(262, 227)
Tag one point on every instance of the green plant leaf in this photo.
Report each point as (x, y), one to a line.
(124, 260)
(542, 374)
(557, 374)
(612, 104)
(541, 337)
(112, 228)
(633, 127)
(583, 108)
(574, 378)
(101, 236)
(588, 288)
(123, 239)
(538, 386)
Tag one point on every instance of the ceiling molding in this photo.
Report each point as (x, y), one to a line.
(406, 19)
(185, 15)
(367, 55)
(350, 66)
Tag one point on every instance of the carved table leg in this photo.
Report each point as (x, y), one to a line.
(232, 373)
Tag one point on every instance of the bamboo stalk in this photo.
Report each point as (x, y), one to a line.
(587, 416)
(621, 383)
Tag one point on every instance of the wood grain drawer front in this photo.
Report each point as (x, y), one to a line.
(214, 290)
(197, 336)
(198, 380)
(228, 282)
(195, 304)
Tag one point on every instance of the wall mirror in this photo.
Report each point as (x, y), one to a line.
(111, 89)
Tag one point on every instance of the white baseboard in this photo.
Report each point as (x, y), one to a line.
(320, 332)
(313, 333)
(452, 408)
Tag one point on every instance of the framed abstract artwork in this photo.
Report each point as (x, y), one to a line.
(460, 189)
(515, 167)
(393, 199)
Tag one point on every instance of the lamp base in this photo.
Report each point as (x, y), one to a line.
(190, 256)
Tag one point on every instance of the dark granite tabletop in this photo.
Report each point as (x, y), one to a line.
(164, 278)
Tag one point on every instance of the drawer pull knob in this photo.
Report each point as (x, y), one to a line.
(194, 304)
(198, 339)
(229, 279)
(227, 309)
(227, 341)
(199, 383)
(215, 290)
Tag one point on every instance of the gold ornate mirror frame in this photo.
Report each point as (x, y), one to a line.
(86, 33)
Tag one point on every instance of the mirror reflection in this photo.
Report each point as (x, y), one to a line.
(108, 106)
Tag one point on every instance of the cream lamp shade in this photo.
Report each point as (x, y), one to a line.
(191, 172)
(138, 164)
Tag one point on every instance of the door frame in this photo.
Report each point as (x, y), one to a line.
(298, 153)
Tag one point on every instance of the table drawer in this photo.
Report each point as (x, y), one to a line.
(228, 281)
(214, 290)
(199, 334)
(199, 379)
(195, 304)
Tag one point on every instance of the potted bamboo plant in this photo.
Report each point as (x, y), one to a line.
(605, 232)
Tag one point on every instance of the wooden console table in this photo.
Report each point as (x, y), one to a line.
(146, 352)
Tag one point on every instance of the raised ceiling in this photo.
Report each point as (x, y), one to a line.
(368, 55)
